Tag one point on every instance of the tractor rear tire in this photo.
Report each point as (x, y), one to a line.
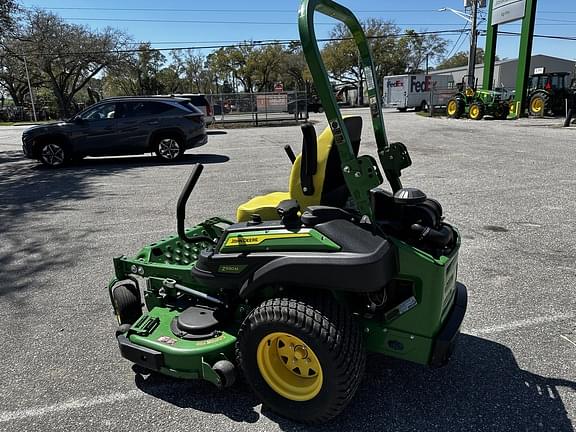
(502, 111)
(304, 358)
(476, 111)
(127, 305)
(539, 105)
(455, 108)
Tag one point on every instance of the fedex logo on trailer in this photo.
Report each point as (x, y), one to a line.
(396, 83)
(420, 86)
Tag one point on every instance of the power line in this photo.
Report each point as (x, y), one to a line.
(185, 21)
(252, 11)
(454, 49)
(268, 42)
(540, 36)
(242, 44)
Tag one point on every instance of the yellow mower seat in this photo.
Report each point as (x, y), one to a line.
(327, 165)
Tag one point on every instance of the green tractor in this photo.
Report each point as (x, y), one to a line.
(477, 103)
(547, 93)
(305, 282)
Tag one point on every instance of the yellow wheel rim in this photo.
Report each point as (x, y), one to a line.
(452, 107)
(474, 111)
(289, 366)
(469, 92)
(537, 105)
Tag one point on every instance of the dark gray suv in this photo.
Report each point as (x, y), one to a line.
(119, 126)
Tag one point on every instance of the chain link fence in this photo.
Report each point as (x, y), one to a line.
(259, 108)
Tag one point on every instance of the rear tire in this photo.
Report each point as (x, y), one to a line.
(423, 106)
(502, 111)
(455, 108)
(169, 147)
(303, 358)
(539, 105)
(53, 154)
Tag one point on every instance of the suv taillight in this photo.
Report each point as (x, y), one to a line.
(208, 110)
(196, 118)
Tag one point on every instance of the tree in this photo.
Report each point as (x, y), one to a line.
(68, 55)
(195, 77)
(421, 49)
(137, 73)
(8, 11)
(342, 60)
(236, 63)
(13, 73)
(294, 70)
(461, 59)
(267, 62)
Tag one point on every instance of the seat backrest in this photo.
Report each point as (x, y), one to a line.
(329, 184)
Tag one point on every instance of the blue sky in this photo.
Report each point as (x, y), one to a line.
(232, 20)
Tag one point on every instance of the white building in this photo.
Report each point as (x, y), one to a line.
(505, 70)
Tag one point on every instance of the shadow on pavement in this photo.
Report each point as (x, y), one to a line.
(30, 194)
(145, 161)
(482, 389)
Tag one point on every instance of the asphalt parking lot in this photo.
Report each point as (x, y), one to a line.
(510, 187)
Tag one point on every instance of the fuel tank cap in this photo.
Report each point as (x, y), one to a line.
(409, 196)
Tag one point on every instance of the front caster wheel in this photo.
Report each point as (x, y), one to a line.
(303, 358)
(126, 301)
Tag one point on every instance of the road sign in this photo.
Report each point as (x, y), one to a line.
(504, 11)
(279, 87)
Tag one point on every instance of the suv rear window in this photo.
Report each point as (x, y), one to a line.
(144, 108)
(190, 106)
(198, 100)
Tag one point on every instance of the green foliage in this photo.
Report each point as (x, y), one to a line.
(421, 48)
(67, 56)
(71, 65)
(8, 11)
(136, 74)
(393, 52)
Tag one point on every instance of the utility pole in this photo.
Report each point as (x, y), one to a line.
(29, 87)
(473, 44)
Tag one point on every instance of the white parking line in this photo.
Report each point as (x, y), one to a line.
(87, 402)
(530, 322)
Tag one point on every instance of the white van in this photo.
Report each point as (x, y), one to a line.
(416, 91)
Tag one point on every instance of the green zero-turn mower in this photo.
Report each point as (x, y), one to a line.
(307, 281)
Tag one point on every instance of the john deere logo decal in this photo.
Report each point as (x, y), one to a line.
(250, 240)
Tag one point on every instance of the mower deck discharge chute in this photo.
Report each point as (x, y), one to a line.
(306, 281)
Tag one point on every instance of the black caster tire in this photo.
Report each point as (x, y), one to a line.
(126, 300)
(227, 372)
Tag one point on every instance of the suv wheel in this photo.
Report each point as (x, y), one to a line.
(169, 148)
(53, 155)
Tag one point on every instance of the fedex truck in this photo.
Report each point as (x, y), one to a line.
(416, 91)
